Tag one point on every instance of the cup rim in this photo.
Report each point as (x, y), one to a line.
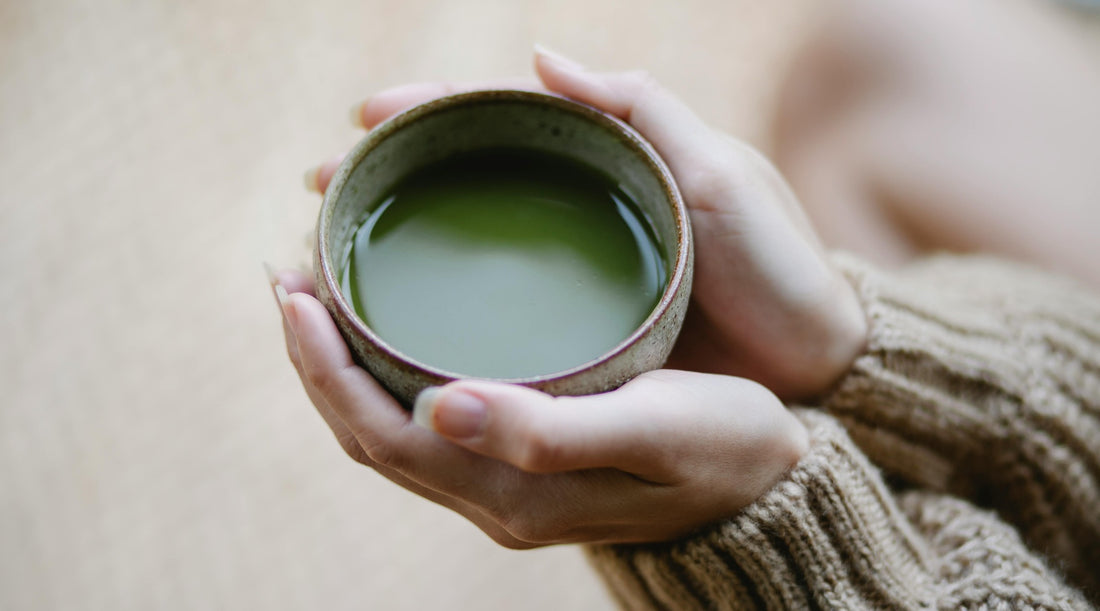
(612, 124)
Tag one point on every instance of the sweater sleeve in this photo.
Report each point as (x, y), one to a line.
(979, 398)
(832, 535)
(982, 381)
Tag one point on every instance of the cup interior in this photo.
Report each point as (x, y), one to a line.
(529, 120)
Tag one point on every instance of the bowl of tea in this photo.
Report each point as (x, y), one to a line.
(504, 235)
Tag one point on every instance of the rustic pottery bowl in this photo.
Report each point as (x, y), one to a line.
(503, 118)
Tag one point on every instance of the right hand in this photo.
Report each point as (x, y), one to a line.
(766, 304)
(665, 454)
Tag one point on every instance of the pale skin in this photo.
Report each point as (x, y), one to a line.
(912, 126)
(669, 452)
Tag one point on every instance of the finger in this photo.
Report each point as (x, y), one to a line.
(350, 444)
(526, 428)
(370, 113)
(383, 428)
(298, 282)
(318, 178)
(471, 512)
(290, 281)
(385, 104)
(293, 281)
(327, 366)
(344, 435)
(711, 168)
(494, 495)
(678, 134)
(624, 429)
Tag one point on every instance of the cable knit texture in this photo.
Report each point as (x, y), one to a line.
(957, 465)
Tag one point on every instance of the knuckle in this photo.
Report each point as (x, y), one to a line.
(733, 170)
(713, 183)
(508, 541)
(534, 522)
(531, 528)
(542, 451)
(323, 379)
(643, 87)
(516, 514)
(355, 451)
(385, 455)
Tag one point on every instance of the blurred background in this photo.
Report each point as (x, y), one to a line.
(156, 449)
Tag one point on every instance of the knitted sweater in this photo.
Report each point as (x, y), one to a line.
(957, 465)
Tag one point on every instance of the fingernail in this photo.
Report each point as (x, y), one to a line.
(287, 307)
(310, 179)
(456, 414)
(556, 57)
(356, 115)
(270, 271)
(424, 406)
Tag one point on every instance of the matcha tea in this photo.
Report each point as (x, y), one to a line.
(506, 263)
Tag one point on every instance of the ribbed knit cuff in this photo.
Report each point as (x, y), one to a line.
(982, 380)
(829, 535)
(939, 377)
(966, 358)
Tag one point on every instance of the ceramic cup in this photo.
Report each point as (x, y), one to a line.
(503, 118)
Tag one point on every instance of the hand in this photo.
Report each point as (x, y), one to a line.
(667, 453)
(766, 304)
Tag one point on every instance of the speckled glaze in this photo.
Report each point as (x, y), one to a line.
(482, 119)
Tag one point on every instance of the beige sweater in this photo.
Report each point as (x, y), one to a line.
(956, 466)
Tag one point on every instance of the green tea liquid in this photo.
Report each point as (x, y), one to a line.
(507, 263)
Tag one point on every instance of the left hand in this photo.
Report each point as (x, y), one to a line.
(667, 453)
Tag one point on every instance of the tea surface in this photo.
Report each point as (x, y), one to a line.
(504, 264)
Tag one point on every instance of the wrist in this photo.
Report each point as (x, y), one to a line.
(846, 337)
(823, 346)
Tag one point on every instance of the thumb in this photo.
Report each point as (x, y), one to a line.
(529, 429)
(640, 428)
(684, 140)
